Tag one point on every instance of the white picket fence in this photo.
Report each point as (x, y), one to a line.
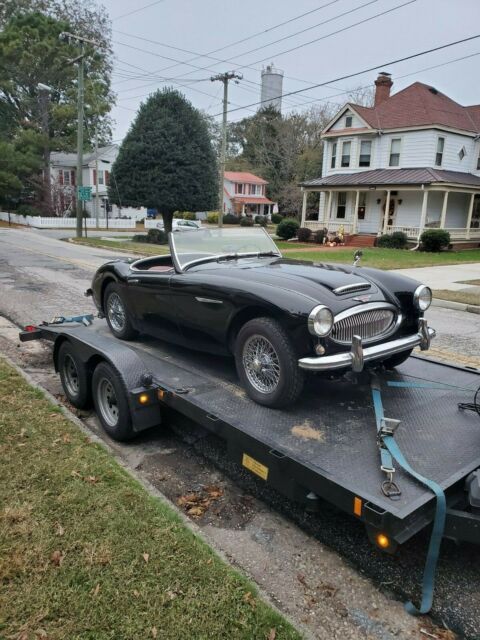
(65, 223)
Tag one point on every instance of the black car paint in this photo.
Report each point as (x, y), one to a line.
(165, 305)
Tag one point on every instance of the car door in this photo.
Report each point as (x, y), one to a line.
(152, 304)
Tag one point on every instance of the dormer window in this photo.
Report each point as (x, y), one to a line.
(439, 153)
(348, 121)
(462, 153)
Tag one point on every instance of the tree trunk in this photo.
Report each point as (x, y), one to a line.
(167, 221)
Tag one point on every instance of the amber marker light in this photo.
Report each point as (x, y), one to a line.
(160, 394)
(143, 398)
(382, 540)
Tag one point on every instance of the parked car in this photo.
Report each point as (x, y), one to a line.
(178, 224)
(229, 291)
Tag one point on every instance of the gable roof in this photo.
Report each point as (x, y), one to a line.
(63, 159)
(244, 176)
(420, 105)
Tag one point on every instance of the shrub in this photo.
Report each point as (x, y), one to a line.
(231, 218)
(246, 221)
(28, 210)
(140, 238)
(156, 236)
(435, 239)
(396, 240)
(319, 236)
(212, 217)
(189, 215)
(304, 234)
(261, 220)
(179, 215)
(276, 218)
(287, 228)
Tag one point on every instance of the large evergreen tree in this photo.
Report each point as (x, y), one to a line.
(166, 160)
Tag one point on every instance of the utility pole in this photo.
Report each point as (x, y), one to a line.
(44, 98)
(80, 109)
(224, 77)
(97, 215)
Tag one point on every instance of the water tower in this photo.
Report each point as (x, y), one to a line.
(272, 86)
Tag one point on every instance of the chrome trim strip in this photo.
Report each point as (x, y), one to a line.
(370, 306)
(208, 300)
(352, 288)
(348, 359)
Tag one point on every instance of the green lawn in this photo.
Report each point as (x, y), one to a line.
(87, 554)
(128, 246)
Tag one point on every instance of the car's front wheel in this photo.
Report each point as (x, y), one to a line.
(116, 313)
(267, 364)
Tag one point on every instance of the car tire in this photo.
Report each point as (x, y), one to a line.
(279, 382)
(111, 404)
(74, 376)
(116, 313)
(397, 359)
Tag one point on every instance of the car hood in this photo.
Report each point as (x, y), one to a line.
(307, 278)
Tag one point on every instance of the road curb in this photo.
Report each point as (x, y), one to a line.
(458, 306)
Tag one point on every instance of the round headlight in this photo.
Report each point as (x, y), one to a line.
(422, 297)
(320, 321)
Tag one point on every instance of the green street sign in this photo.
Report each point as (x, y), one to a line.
(84, 193)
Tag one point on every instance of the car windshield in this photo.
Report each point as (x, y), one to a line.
(206, 245)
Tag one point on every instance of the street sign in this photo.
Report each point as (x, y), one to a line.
(84, 193)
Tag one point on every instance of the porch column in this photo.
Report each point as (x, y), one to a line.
(469, 216)
(326, 211)
(304, 209)
(387, 209)
(444, 210)
(319, 203)
(423, 216)
(355, 213)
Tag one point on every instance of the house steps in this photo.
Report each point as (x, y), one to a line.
(361, 240)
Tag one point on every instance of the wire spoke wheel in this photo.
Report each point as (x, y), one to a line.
(116, 312)
(71, 375)
(107, 402)
(261, 364)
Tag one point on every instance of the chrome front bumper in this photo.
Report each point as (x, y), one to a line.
(358, 355)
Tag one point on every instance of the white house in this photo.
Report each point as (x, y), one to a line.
(63, 168)
(410, 162)
(244, 194)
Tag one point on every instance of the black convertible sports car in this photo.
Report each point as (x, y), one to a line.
(231, 292)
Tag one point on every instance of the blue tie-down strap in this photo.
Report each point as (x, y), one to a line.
(428, 582)
(86, 319)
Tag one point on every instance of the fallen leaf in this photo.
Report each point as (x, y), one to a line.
(66, 438)
(272, 635)
(171, 594)
(23, 635)
(75, 474)
(301, 579)
(209, 561)
(95, 591)
(214, 492)
(249, 599)
(154, 632)
(91, 479)
(23, 433)
(59, 530)
(195, 511)
(145, 556)
(41, 633)
(57, 558)
(136, 593)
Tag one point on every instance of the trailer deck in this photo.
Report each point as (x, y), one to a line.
(325, 446)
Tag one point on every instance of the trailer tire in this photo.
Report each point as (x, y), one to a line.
(74, 376)
(116, 313)
(397, 359)
(111, 404)
(263, 345)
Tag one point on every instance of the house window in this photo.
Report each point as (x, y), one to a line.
(66, 177)
(439, 154)
(341, 204)
(254, 189)
(238, 187)
(462, 153)
(395, 152)
(100, 177)
(348, 122)
(334, 155)
(346, 146)
(362, 205)
(365, 153)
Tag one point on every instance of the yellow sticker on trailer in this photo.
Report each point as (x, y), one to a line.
(254, 466)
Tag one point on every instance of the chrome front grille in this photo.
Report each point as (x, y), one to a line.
(368, 323)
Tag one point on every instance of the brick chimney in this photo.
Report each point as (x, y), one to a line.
(383, 85)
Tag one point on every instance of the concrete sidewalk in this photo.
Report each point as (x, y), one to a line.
(449, 277)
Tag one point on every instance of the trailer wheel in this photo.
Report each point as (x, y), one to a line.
(111, 405)
(74, 376)
(116, 313)
(397, 359)
(267, 364)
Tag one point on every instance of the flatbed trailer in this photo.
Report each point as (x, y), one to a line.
(327, 446)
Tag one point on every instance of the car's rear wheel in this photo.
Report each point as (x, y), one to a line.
(397, 359)
(116, 313)
(267, 364)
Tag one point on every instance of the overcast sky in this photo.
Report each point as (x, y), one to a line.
(204, 26)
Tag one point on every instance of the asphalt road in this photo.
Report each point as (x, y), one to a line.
(41, 277)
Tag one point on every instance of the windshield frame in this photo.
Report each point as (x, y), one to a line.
(214, 257)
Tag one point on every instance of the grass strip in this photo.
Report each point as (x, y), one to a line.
(137, 248)
(86, 553)
(466, 297)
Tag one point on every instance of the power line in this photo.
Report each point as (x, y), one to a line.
(147, 6)
(359, 73)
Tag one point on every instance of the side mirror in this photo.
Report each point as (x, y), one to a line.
(356, 258)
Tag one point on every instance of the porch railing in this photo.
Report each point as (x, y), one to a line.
(412, 232)
(456, 233)
(333, 227)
